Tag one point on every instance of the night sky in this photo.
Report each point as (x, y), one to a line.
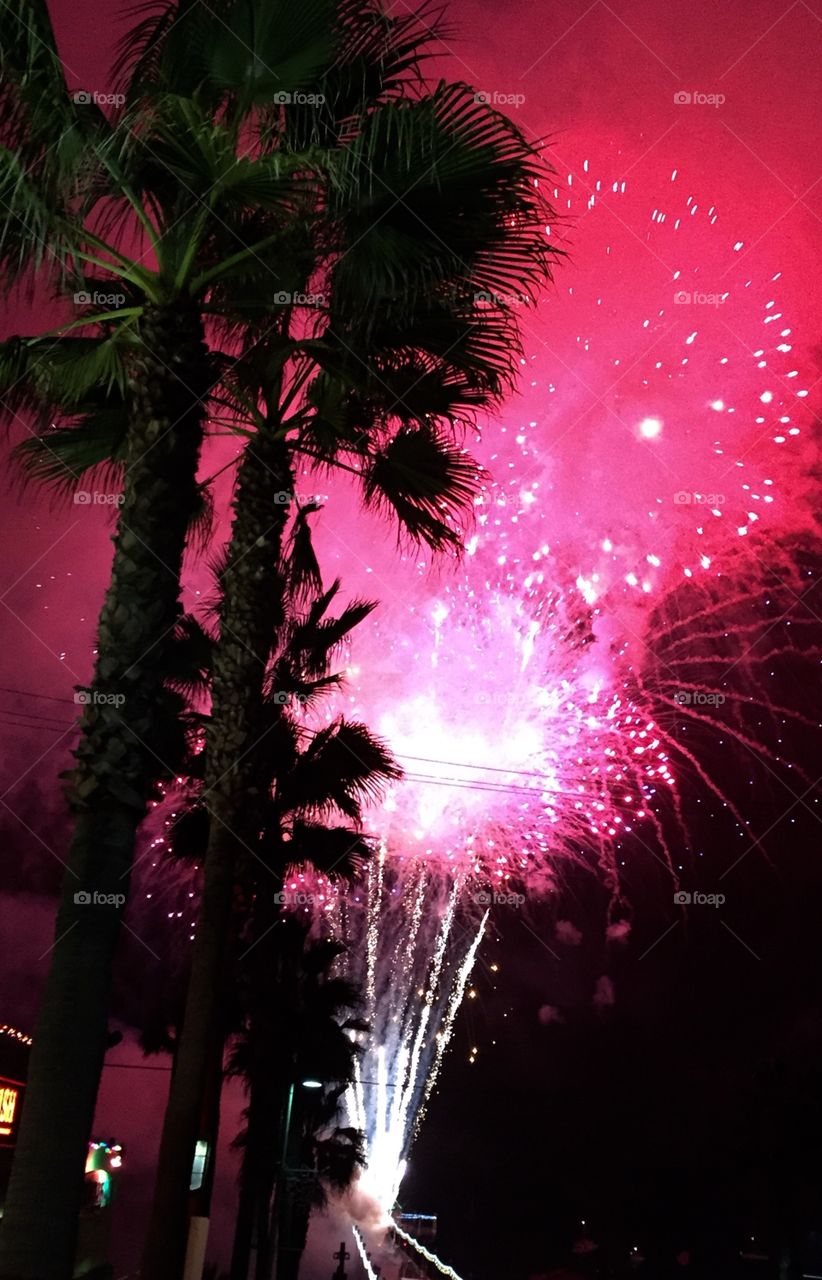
(666, 1085)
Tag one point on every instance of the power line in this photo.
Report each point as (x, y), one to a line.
(467, 784)
(29, 693)
(459, 764)
(34, 728)
(32, 715)
(454, 764)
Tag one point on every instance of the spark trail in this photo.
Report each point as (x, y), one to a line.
(412, 938)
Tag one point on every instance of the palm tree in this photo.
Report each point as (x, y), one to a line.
(314, 779)
(334, 1156)
(164, 205)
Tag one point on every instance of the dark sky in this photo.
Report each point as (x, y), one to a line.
(690, 1097)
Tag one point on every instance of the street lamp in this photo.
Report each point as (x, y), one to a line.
(306, 1084)
(309, 1083)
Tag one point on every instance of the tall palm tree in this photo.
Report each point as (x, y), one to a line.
(164, 205)
(314, 780)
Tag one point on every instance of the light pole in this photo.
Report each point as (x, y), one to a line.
(282, 1186)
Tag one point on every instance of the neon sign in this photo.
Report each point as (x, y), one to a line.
(11, 1094)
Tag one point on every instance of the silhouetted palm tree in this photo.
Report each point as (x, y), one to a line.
(317, 784)
(150, 216)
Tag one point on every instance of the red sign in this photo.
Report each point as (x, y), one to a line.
(11, 1097)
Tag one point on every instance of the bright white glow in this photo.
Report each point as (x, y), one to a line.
(650, 428)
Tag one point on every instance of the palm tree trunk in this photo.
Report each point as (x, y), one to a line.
(265, 1116)
(116, 765)
(293, 1237)
(243, 1225)
(249, 612)
(266, 1234)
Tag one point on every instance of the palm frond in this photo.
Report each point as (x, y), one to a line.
(383, 51)
(33, 84)
(301, 563)
(271, 47)
(313, 642)
(426, 482)
(32, 231)
(334, 851)
(48, 165)
(190, 658)
(136, 66)
(43, 122)
(339, 1157)
(48, 377)
(234, 53)
(319, 607)
(202, 520)
(436, 192)
(90, 451)
(188, 833)
(344, 767)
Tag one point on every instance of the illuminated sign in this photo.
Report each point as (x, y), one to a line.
(11, 1097)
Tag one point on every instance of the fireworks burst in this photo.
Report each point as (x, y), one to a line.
(617, 622)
